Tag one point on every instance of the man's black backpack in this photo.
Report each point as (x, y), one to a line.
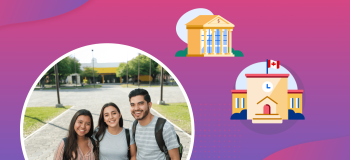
(159, 137)
(65, 144)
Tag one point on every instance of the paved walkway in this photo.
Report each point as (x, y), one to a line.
(43, 143)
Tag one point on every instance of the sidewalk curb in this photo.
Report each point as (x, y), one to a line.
(48, 123)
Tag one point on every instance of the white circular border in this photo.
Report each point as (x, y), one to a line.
(92, 45)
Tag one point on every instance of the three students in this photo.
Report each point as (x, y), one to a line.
(111, 140)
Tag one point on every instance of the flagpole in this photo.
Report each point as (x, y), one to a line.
(267, 68)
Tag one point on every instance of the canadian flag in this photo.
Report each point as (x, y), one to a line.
(273, 64)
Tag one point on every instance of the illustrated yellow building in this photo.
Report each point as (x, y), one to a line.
(209, 36)
(267, 99)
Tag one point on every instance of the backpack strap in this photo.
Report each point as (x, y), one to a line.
(159, 134)
(65, 144)
(93, 143)
(127, 133)
(134, 129)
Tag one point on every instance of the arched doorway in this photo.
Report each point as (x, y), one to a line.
(267, 109)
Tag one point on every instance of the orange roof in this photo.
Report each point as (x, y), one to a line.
(268, 98)
(201, 19)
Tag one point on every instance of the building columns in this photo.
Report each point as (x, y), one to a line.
(213, 41)
(221, 41)
(229, 41)
(213, 44)
(205, 42)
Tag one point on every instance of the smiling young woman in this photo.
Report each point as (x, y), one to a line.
(79, 141)
(112, 139)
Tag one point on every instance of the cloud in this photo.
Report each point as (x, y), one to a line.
(240, 116)
(295, 116)
(187, 17)
(181, 53)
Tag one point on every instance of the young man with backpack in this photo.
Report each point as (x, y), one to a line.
(155, 138)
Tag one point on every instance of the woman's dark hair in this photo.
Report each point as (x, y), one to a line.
(140, 91)
(102, 126)
(72, 138)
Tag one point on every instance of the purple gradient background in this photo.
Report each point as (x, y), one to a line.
(17, 11)
(309, 37)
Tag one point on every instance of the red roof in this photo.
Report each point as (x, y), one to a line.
(267, 75)
(295, 91)
(239, 91)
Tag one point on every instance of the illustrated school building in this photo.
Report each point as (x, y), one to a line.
(267, 98)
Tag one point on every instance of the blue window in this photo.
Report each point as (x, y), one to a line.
(208, 39)
(297, 102)
(237, 102)
(217, 41)
(225, 41)
(202, 41)
(291, 102)
(242, 104)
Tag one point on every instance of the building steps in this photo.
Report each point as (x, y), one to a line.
(267, 116)
(267, 120)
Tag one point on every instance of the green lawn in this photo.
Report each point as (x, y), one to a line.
(144, 85)
(35, 117)
(178, 113)
(73, 87)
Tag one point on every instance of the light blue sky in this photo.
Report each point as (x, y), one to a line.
(260, 68)
(187, 17)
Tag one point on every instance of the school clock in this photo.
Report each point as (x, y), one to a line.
(267, 86)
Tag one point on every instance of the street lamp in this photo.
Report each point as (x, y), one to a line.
(138, 74)
(150, 62)
(127, 71)
(93, 68)
(57, 88)
(161, 102)
(76, 76)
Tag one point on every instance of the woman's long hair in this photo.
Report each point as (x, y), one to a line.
(102, 126)
(72, 138)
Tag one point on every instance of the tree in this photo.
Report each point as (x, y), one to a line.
(74, 64)
(133, 67)
(121, 70)
(65, 68)
(88, 73)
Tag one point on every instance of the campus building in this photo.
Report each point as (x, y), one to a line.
(106, 71)
(267, 98)
(74, 79)
(209, 36)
